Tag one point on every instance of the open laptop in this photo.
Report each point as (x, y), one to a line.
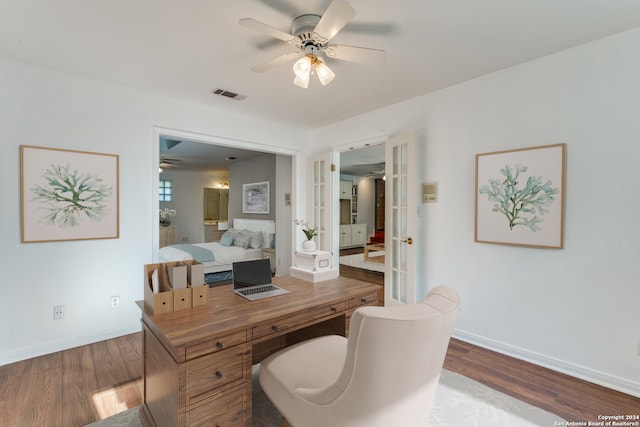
(252, 280)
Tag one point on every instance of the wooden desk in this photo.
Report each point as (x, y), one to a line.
(197, 363)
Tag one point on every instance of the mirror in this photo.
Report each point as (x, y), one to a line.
(216, 204)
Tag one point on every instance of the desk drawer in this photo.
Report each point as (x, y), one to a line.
(207, 374)
(368, 299)
(285, 323)
(216, 345)
(221, 410)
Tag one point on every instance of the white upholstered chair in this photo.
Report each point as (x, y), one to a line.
(385, 374)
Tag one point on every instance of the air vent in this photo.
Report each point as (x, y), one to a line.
(228, 94)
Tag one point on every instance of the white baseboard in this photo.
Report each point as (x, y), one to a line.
(593, 376)
(76, 341)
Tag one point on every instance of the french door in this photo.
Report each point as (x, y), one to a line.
(319, 205)
(400, 220)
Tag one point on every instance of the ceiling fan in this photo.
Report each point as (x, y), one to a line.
(311, 35)
(166, 163)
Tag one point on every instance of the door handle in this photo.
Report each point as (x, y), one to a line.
(409, 241)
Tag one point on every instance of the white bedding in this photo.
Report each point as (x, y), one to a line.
(224, 255)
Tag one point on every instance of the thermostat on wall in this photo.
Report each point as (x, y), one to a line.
(429, 192)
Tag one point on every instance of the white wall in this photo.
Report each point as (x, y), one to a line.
(366, 203)
(261, 169)
(44, 108)
(575, 309)
(188, 201)
(284, 214)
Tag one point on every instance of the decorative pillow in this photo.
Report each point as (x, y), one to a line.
(242, 240)
(255, 239)
(226, 239)
(266, 239)
(233, 231)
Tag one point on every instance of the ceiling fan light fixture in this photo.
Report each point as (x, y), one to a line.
(310, 64)
(302, 70)
(325, 75)
(302, 67)
(302, 82)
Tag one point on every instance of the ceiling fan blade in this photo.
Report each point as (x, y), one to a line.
(337, 15)
(261, 68)
(360, 55)
(267, 29)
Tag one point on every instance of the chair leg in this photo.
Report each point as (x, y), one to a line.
(285, 423)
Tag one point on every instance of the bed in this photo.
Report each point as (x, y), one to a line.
(240, 243)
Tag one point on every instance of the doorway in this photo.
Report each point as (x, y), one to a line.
(363, 168)
(186, 158)
(379, 203)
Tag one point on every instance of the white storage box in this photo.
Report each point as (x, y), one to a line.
(313, 276)
(195, 274)
(177, 276)
(313, 261)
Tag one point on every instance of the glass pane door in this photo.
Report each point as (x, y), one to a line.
(320, 209)
(399, 274)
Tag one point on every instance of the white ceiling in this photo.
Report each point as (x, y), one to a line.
(185, 49)
(180, 155)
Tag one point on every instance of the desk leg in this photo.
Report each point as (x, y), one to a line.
(161, 384)
(249, 387)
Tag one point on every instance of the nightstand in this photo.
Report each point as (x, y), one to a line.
(270, 254)
(168, 235)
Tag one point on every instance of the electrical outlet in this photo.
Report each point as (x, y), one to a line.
(58, 312)
(115, 302)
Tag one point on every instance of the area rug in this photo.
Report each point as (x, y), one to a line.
(357, 261)
(460, 401)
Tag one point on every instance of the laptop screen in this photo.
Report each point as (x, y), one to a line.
(251, 273)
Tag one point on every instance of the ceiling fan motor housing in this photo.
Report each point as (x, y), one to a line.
(303, 27)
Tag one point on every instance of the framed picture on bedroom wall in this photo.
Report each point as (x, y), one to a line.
(68, 195)
(255, 198)
(520, 197)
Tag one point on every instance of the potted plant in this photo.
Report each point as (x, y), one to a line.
(308, 245)
(165, 215)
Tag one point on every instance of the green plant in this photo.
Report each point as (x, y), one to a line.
(69, 195)
(307, 229)
(514, 203)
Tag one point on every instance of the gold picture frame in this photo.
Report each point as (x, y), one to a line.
(520, 197)
(68, 195)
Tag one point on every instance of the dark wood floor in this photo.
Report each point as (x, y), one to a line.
(73, 387)
(78, 386)
(570, 398)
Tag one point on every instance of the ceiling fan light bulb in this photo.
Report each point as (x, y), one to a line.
(302, 67)
(302, 82)
(325, 75)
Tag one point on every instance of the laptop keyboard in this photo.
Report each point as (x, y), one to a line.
(265, 288)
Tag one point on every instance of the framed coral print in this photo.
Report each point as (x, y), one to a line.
(68, 195)
(255, 198)
(520, 197)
